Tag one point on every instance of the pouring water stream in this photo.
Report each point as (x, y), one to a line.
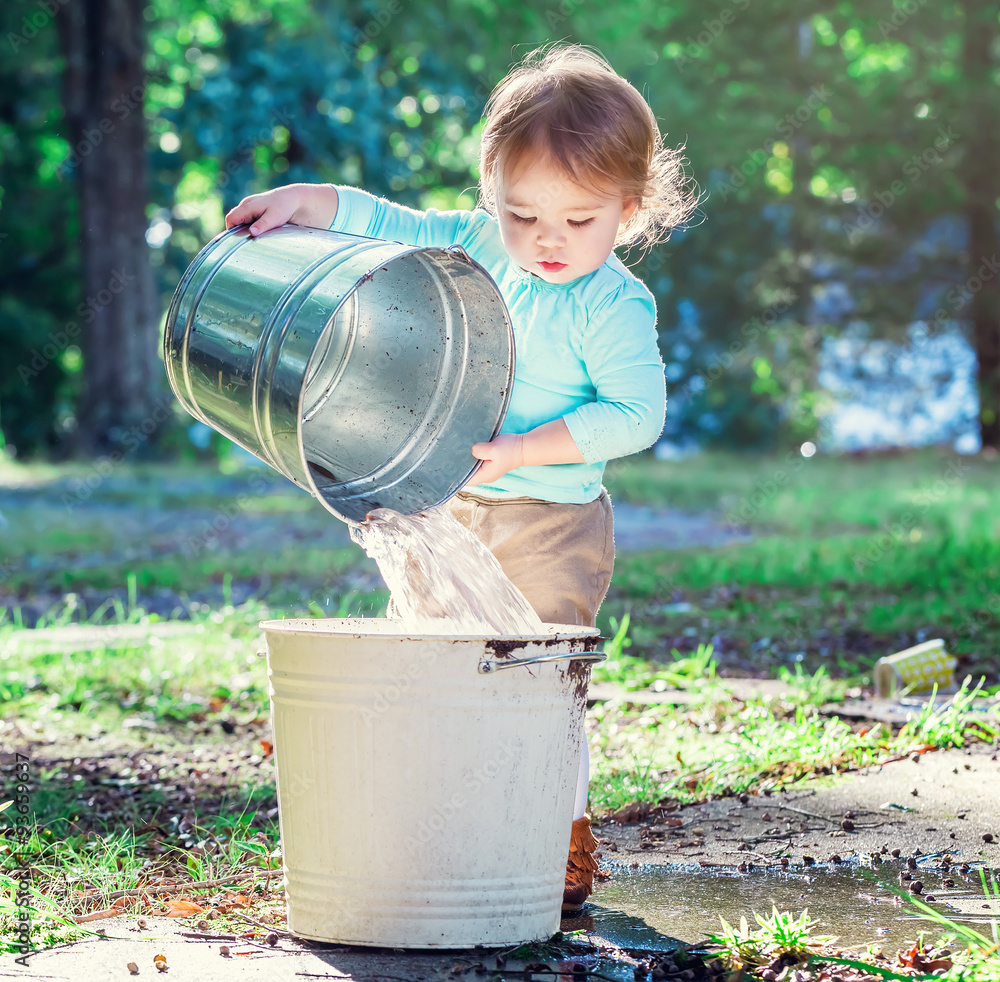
(442, 579)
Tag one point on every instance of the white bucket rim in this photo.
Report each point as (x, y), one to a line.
(386, 627)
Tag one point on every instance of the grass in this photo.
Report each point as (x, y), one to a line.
(788, 941)
(849, 559)
(781, 934)
(687, 754)
(209, 666)
(73, 874)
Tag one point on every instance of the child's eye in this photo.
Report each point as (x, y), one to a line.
(582, 224)
(522, 220)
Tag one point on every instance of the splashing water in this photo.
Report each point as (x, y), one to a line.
(443, 580)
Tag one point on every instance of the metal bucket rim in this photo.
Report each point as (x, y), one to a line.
(354, 627)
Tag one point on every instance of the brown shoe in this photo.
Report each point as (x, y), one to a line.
(580, 867)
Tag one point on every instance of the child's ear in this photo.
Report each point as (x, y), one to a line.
(629, 206)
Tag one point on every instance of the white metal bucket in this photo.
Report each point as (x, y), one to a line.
(425, 783)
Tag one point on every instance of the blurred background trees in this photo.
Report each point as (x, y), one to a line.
(845, 153)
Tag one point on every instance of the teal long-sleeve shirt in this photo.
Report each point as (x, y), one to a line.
(585, 351)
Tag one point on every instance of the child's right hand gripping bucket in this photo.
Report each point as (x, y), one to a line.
(425, 784)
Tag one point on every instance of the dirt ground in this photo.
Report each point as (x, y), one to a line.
(926, 805)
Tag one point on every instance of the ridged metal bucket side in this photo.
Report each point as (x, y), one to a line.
(180, 317)
(305, 314)
(397, 761)
(229, 305)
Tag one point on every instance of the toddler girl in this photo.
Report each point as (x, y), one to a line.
(572, 165)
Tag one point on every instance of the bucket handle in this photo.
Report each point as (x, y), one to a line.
(487, 667)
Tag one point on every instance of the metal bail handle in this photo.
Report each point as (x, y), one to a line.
(487, 667)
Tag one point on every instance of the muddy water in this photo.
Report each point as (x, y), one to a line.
(442, 579)
(652, 906)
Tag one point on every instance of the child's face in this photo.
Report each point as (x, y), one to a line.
(554, 228)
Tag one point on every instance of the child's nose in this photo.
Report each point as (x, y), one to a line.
(549, 236)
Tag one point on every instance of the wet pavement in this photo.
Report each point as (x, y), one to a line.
(646, 907)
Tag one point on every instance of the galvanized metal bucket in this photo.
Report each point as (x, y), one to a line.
(363, 370)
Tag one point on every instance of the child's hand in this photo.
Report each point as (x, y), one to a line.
(300, 204)
(501, 454)
(550, 443)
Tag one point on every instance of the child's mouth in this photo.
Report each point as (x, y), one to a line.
(552, 267)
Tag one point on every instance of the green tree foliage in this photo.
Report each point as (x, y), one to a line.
(39, 288)
(833, 145)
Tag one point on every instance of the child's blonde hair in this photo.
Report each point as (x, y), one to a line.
(568, 103)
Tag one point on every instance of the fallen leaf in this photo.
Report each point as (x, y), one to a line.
(634, 812)
(267, 747)
(97, 915)
(182, 907)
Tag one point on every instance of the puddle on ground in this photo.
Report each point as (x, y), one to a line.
(650, 907)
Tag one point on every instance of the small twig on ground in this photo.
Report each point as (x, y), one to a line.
(202, 936)
(762, 838)
(21, 975)
(835, 821)
(98, 915)
(802, 811)
(261, 924)
(194, 885)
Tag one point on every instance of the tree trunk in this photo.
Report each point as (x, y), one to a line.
(982, 186)
(103, 43)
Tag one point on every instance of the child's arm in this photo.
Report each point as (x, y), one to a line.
(358, 212)
(301, 204)
(624, 364)
(550, 443)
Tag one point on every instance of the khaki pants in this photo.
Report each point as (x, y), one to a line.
(559, 556)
